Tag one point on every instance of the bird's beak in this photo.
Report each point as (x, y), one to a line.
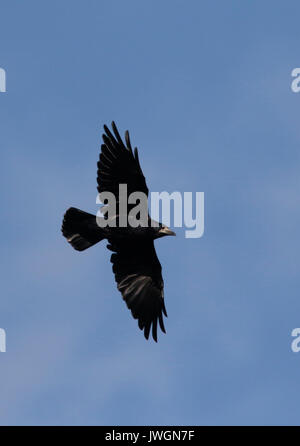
(166, 231)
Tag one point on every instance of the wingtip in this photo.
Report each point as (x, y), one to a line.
(164, 309)
(128, 142)
(154, 329)
(147, 331)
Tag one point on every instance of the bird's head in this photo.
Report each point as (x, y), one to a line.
(162, 230)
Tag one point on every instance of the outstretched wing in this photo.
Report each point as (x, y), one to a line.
(119, 164)
(138, 275)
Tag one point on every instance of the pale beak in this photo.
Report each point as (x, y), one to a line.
(166, 231)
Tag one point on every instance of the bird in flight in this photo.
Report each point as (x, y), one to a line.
(134, 261)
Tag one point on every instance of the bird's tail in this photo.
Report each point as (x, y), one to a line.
(80, 229)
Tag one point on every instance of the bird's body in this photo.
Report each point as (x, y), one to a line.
(135, 264)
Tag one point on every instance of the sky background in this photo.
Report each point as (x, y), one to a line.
(205, 89)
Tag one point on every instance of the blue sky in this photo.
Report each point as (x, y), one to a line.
(204, 88)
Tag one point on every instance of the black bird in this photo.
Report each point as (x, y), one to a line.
(135, 264)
